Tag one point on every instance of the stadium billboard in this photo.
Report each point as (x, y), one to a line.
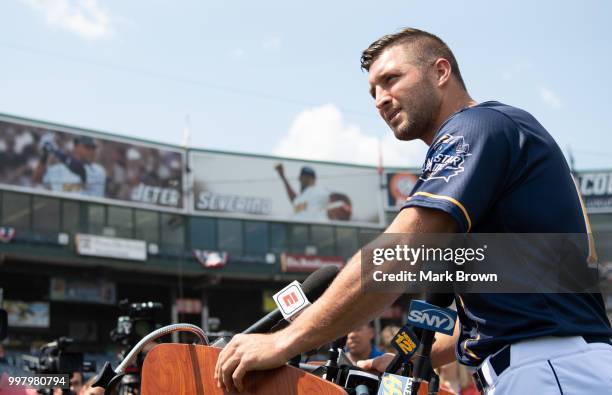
(398, 187)
(596, 190)
(267, 188)
(51, 159)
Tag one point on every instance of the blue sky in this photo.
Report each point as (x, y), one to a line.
(281, 77)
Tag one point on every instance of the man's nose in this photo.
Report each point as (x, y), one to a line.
(383, 99)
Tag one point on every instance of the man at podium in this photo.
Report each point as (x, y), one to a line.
(491, 168)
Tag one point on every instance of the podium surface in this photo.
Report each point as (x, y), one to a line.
(183, 369)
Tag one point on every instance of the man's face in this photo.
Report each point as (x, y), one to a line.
(306, 181)
(359, 341)
(76, 382)
(404, 93)
(84, 153)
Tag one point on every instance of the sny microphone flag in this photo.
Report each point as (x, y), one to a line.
(430, 317)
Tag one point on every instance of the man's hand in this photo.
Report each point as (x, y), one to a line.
(47, 143)
(378, 364)
(245, 353)
(280, 169)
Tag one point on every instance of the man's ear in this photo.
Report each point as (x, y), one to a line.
(443, 71)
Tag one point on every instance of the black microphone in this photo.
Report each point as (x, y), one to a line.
(423, 370)
(440, 300)
(313, 288)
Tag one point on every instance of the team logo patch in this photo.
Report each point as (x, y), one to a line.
(447, 159)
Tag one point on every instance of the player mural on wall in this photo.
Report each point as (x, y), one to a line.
(42, 158)
(314, 202)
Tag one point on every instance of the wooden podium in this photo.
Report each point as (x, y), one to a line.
(182, 369)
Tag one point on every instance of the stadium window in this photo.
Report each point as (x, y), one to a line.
(256, 237)
(367, 235)
(96, 218)
(601, 222)
(323, 238)
(346, 238)
(601, 225)
(298, 238)
(146, 225)
(278, 238)
(16, 210)
(390, 216)
(46, 215)
(229, 234)
(120, 219)
(71, 216)
(172, 231)
(203, 233)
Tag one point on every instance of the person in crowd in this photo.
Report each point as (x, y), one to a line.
(360, 344)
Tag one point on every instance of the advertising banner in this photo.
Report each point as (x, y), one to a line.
(308, 263)
(75, 290)
(596, 190)
(36, 157)
(27, 314)
(399, 186)
(267, 188)
(111, 247)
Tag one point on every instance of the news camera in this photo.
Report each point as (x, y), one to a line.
(55, 358)
(3, 324)
(3, 318)
(138, 321)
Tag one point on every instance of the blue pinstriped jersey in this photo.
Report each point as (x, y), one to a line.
(494, 169)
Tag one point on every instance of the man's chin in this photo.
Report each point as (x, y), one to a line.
(405, 135)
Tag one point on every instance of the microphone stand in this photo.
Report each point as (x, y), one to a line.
(422, 362)
(331, 366)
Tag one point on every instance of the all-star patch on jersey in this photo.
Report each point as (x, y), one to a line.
(494, 169)
(447, 159)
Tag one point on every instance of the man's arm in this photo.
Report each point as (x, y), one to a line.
(41, 168)
(341, 308)
(443, 349)
(281, 172)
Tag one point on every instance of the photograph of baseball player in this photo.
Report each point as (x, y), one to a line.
(284, 189)
(41, 158)
(73, 171)
(314, 202)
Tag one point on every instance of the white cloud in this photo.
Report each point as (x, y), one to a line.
(83, 17)
(321, 134)
(516, 70)
(550, 98)
(272, 44)
(238, 53)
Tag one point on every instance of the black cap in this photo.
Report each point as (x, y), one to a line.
(86, 141)
(308, 171)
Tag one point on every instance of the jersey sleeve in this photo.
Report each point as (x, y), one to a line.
(466, 167)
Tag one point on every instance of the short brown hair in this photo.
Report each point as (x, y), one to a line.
(427, 48)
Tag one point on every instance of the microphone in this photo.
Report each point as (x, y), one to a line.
(313, 287)
(425, 334)
(432, 317)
